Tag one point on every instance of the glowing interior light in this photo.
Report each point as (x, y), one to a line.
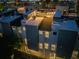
(53, 47)
(21, 10)
(40, 45)
(24, 28)
(40, 32)
(47, 34)
(46, 45)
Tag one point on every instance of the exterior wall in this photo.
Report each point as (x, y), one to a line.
(64, 39)
(44, 45)
(48, 44)
(32, 37)
(8, 33)
(65, 43)
(6, 29)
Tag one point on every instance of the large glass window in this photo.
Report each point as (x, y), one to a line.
(53, 47)
(47, 34)
(24, 29)
(40, 45)
(40, 32)
(1, 35)
(75, 54)
(25, 41)
(46, 45)
(19, 29)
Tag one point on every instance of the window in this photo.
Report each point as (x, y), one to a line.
(75, 54)
(19, 30)
(53, 47)
(47, 34)
(24, 28)
(25, 41)
(54, 33)
(1, 35)
(13, 28)
(40, 32)
(21, 10)
(40, 45)
(46, 45)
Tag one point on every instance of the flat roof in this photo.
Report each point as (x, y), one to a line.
(69, 25)
(9, 19)
(58, 13)
(27, 12)
(43, 20)
(33, 22)
(8, 11)
(65, 25)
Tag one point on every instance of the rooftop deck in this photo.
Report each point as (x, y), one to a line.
(41, 19)
(33, 22)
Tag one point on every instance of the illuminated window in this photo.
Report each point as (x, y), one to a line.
(54, 12)
(75, 54)
(1, 35)
(40, 32)
(21, 9)
(40, 3)
(19, 30)
(25, 41)
(24, 28)
(40, 45)
(46, 46)
(13, 28)
(47, 34)
(53, 47)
